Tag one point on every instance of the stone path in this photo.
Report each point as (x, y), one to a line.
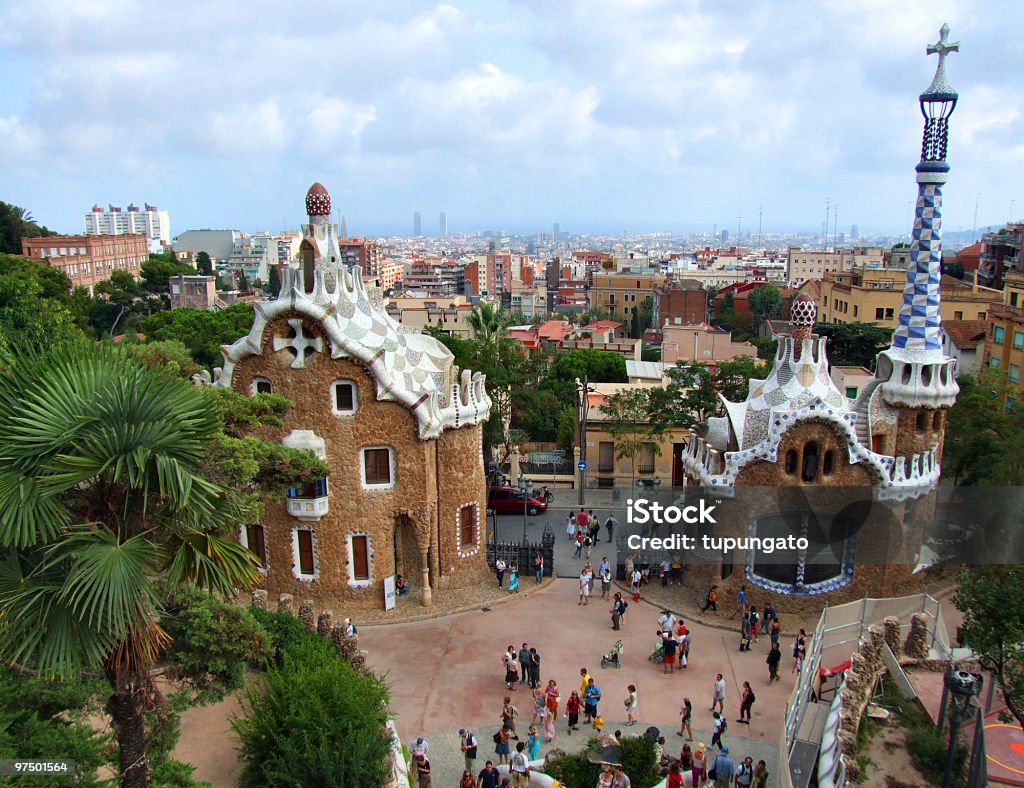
(445, 673)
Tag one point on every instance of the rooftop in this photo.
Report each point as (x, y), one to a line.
(966, 334)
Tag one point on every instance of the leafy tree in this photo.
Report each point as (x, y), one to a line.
(36, 308)
(732, 377)
(694, 391)
(204, 265)
(631, 422)
(315, 722)
(566, 432)
(854, 344)
(45, 719)
(121, 291)
(17, 223)
(201, 331)
(159, 268)
(646, 314)
(169, 355)
(992, 601)
(650, 352)
(634, 324)
(983, 437)
(275, 281)
(103, 506)
(536, 411)
(765, 303)
(597, 366)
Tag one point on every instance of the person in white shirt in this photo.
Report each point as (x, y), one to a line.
(634, 582)
(519, 766)
(586, 578)
(718, 698)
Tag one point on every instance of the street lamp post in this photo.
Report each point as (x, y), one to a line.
(962, 688)
(526, 485)
(582, 389)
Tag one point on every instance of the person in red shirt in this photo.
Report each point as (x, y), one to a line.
(675, 777)
(582, 519)
(572, 711)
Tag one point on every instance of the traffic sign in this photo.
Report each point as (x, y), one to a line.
(582, 465)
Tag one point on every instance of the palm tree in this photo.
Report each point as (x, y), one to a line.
(490, 326)
(100, 501)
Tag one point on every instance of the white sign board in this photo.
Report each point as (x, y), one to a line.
(389, 592)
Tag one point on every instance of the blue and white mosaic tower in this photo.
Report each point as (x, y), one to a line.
(914, 370)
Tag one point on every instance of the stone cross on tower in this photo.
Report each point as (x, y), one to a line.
(300, 345)
(942, 48)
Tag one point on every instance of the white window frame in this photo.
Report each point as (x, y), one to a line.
(334, 397)
(259, 379)
(350, 567)
(296, 566)
(243, 539)
(362, 469)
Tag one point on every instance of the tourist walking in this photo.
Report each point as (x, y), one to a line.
(718, 694)
(668, 651)
(501, 748)
(681, 636)
(508, 717)
(675, 777)
(551, 699)
(631, 704)
(540, 706)
(519, 767)
(572, 712)
(773, 660)
(533, 743)
(634, 583)
(618, 610)
(524, 664)
(799, 651)
(467, 780)
(711, 601)
(582, 521)
(718, 729)
(421, 768)
(745, 773)
(534, 667)
(755, 622)
(723, 768)
(584, 587)
(745, 632)
(489, 777)
(686, 758)
(513, 579)
(570, 525)
(746, 701)
(774, 628)
(606, 579)
(685, 718)
(468, 745)
(700, 765)
(579, 544)
(741, 602)
(610, 525)
(511, 671)
(591, 697)
(499, 570)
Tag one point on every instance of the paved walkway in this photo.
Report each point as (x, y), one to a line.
(446, 674)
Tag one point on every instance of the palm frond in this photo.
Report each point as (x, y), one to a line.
(210, 562)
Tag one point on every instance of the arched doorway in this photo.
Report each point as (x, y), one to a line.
(411, 559)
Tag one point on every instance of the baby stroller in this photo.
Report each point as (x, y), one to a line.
(612, 657)
(658, 655)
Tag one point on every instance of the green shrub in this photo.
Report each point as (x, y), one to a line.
(315, 722)
(573, 771)
(284, 631)
(927, 747)
(636, 754)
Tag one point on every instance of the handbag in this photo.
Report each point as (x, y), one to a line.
(712, 775)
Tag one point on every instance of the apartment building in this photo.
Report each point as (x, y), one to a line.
(622, 294)
(149, 221)
(1000, 254)
(360, 252)
(874, 295)
(89, 259)
(193, 292)
(685, 301)
(1004, 346)
(701, 343)
(451, 315)
(802, 265)
(436, 277)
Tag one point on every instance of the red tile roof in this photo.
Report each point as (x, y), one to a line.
(966, 334)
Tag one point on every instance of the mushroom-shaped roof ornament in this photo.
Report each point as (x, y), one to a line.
(318, 201)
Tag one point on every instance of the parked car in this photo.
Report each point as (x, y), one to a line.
(510, 500)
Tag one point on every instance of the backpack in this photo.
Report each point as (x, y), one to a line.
(497, 737)
(725, 726)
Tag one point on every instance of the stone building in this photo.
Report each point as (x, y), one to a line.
(397, 423)
(853, 477)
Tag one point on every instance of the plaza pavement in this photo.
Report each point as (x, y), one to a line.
(446, 673)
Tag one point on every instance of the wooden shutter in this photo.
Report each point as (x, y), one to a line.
(377, 466)
(360, 558)
(305, 540)
(255, 538)
(467, 525)
(606, 458)
(344, 398)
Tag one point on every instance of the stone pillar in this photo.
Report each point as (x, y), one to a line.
(324, 623)
(307, 614)
(891, 625)
(286, 604)
(916, 646)
(427, 598)
(513, 470)
(259, 598)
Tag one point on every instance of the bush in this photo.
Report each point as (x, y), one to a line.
(636, 754)
(284, 630)
(213, 643)
(316, 721)
(927, 747)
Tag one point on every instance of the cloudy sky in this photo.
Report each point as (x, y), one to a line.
(599, 114)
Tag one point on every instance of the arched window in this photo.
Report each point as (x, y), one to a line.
(262, 386)
(828, 464)
(937, 420)
(810, 466)
(791, 461)
(922, 420)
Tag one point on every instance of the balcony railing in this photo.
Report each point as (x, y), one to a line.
(307, 509)
(645, 470)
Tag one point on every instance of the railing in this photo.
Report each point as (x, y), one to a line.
(307, 509)
(522, 554)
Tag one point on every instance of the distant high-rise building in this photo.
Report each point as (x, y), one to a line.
(854, 232)
(725, 236)
(443, 222)
(151, 222)
(417, 224)
(344, 227)
(556, 232)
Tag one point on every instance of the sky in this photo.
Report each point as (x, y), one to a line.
(602, 115)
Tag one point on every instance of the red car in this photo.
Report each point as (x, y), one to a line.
(510, 500)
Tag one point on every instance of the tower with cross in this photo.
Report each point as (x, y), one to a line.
(915, 377)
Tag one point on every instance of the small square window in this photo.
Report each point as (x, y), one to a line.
(998, 334)
(344, 396)
(377, 466)
(879, 314)
(851, 392)
(1018, 340)
(262, 386)
(889, 313)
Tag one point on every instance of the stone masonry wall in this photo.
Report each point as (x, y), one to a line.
(418, 467)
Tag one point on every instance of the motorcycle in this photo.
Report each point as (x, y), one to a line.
(546, 494)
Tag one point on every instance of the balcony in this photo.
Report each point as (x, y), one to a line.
(307, 503)
(645, 470)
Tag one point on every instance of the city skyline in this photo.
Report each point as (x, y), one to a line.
(601, 116)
